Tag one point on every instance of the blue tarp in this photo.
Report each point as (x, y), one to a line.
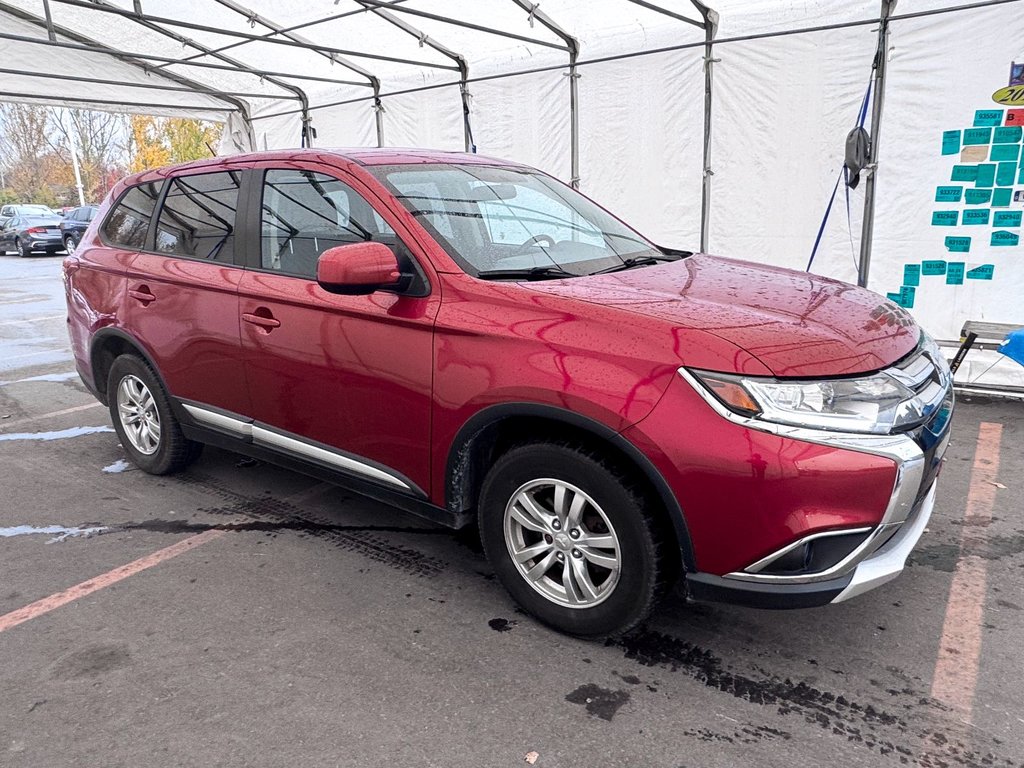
(1013, 346)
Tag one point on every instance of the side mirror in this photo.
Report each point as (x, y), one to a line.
(358, 269)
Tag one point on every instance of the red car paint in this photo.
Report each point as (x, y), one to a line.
(395, 378)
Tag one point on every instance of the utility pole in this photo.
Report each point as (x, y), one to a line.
(72, 142)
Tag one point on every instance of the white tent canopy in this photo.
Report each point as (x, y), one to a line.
(612, 92)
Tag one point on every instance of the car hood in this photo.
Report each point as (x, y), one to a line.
(795, 323)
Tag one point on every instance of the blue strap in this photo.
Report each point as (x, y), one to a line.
(844, 174)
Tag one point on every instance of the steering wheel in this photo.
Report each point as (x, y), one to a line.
(545, 240)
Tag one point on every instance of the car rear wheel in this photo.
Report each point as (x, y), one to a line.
(572, 539)
(24, 250)
(149, 432)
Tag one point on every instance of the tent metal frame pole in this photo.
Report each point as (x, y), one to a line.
(103, 7)
(459, 59)
(155, 27)
(86, 43)
(665, 11)
(711, 18)
(572, 45)
(140, 59)
(49, 22)
(868, 225)
(64, 101)
(457, 23)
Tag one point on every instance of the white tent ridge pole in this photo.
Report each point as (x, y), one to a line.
(868, 225)
(710, 17)
(572, 45)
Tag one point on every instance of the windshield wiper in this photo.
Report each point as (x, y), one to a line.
(636, 261)
(526, 273)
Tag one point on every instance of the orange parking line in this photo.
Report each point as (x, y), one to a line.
(956, 670)
(47, 604)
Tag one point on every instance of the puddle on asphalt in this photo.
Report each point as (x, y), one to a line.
(57, 377)
(59, 532)
(62, 434)
(118, 466)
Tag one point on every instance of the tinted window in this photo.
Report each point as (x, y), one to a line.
(305, 213)
(128, 223)
(198, 217)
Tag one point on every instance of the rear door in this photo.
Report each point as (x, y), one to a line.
(182, 290)
(352, 374)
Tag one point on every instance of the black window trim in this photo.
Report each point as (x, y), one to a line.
(101, 231)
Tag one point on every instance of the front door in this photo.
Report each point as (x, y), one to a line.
(343, 380)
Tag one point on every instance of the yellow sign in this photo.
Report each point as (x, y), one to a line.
(1011, 96)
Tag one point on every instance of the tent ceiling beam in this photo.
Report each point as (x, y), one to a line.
(83, 42)
(108, 102)
(460, 61)
(158, 21)
(465, 24)
(666, 12)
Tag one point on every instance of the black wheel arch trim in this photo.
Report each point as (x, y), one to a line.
(99, 338)
(457, 481)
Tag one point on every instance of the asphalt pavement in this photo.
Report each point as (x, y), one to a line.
(242, 615)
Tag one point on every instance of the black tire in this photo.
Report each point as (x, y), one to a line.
(173, 451)
(24, 251)
(643, 551)
(69, 244)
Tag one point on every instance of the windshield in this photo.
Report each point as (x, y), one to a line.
(495, 220)
(34, 220)
(34, 210)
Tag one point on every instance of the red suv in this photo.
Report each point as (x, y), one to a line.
(473, 341)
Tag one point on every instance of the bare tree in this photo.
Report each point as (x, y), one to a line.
(98, 137)
(28, 161)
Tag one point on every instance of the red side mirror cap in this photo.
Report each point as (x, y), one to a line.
(358, 268)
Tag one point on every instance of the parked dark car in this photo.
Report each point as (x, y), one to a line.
(472, 340)
(74, 224)
(31, 234)
(11, 210)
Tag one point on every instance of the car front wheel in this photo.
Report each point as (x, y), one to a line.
(573, 539)
(149, 432)
(69, 244)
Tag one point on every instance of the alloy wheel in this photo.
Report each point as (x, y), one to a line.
(562, 543)
(139, 416)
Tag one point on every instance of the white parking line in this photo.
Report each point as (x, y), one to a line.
(33, 320)
(51, 414)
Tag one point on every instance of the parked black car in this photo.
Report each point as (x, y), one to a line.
(11, 210)
(74, 224)
(26, 234)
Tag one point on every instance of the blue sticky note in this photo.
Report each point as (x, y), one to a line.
(1001, 197)
(933, 267)
(965, 173)
(955, 273)
(911, 274)
(984, 272)
(1006, 218)
(944, 218)
(977, 136)
(977, 196)
(986, 175)
(1007, 135)
(1020, 176)
(975, 217)
(948, 194)
(1002, 237)
(1002, 152)
(950, 142)
(907, 296)
(988, 117)
(1005, 174)
(958, 244)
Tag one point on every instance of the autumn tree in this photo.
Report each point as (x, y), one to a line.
(157, 141)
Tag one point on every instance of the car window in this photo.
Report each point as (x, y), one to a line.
(90, 214)
(305, 213)
(197, 218)
(128, 222)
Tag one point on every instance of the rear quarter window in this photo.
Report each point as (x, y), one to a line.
(197, 218)
(128, 222)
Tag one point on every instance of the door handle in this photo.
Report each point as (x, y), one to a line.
(142, 294)
(263, 321)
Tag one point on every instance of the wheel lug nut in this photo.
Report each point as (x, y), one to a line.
(575, 533)
(560, 556)
(556, 525)
(577, 553)
(547, 538)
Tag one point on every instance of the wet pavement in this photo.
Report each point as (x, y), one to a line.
(295, 624)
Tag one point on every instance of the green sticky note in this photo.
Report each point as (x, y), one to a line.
(988, 117)
(955, 273)
(948, 194)
(1005, 174)
(1004, 152)
(944, 218)
(1002, 237)
(1006, 218)
(1001, 197)
(964, 173)
(977, 196)
(977, 136)
(1006, 135)
(986, 175)
(984, 272)
(975, 217)
(950, 142)
(933, 267)
(905, 297)
(911, 274)
(958, 244)
(1020, 176)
